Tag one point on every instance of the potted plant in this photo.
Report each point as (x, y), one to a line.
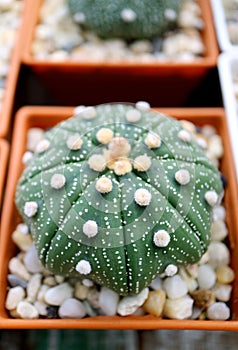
(47, 117)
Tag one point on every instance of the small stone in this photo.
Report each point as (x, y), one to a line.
(74, 142)
(17, 268)
(104, 185)
(142, 197)
(56, 295)
(23, 228)
(33, 287)
(182, 176)
(203, 298)
(155, 302)
(156, 284)
(57, 181)
(34, 136)
(175, 287)
(218, 311)
(27, 310)
(23, 241)
(27, 157)
(218, 230)
(184, 135)
(83, 267)
(219, 254)
(152, 140)
(93, 297)
(171, 270)
(222, 291)
(143, 106)
(206, 276)
(128, 305)
(30, 209)
(142, 163)
(15, 281)
(133, 116)
(128, 15)
(80, 291)
(50, 281)
(211, 197)
(42, 146)
(108, 301)
(97, 162)
(225, 274)
(32, 262)
(104, 135)
(42, 291)
(52, 312)
(41, 307)
(88, 283)
(88, 113)
(219, 213)
(179, 309)
(90, 228)
(190, 281)
(72, 308)
(161, 238)
(14, 296)
(79, 17)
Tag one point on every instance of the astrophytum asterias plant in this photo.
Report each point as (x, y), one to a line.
(118, 194)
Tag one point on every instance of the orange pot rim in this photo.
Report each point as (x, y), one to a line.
(4, 152)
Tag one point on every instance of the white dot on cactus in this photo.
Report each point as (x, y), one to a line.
(128, 15)
(97, 162)
(122, 167)
(27, 156)
(170, 14)
(161, 238)
(182, 176)
(211, 197)
(171, 270)
(83, 267)
(42, 146)
(30, 208)
(90, 228)
(143, 106)
(74, 142)
(142, 197)
(79, 17)
(88, 113)
(104, 185)
(104, 135)
(152, 140)
(184, 135)
(142, 163)
(133, 115)
(57, 181)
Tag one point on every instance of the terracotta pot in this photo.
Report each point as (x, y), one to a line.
(133, 80)
(4, 150)
(11, 81)
(46, 117)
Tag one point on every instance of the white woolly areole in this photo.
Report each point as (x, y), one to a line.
(143, 106)
(182, 176)
(142, 163)
(128, 15)
(79, 109)
(119, 147)
(88, 113)
(161, 238)
(83, 267)
(142, 197)
(171, 270)
(133, 115)
(30, 209)
(184, 135)
(57, 181)
(211, 198)
(122, 167)
(90, 228)
(42, 146)
(97, 162)
(104, 185)
(170, 14)
(152, 140)
(79, 17)
(104, 135)
(74, 142)
(27, 156)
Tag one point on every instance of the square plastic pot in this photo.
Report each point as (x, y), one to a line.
(46, 117)
(4, 151)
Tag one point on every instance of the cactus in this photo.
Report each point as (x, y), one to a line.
(129, 20)
(118, 194)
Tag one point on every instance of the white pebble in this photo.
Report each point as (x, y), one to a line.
(219, 213)
(17, 268)
(222, 291)
(206, 276)
(218, 311)
(57, 181)
(90, 228)
(211, 197)
(175, 287)
(108, 301)
(79, 17)
(104, 185)
(33, 287)
(23, 241)
(88, 113)
(142, 197)
(219, 254)
(14, 296)
(72, 308)
(133, 116)
(83, 267)
(32, 262)
(128, 305)
(161, 238)
(87, 283)
(27, 310)
(74, 142)
(30, 209)
(218, 230)
(56, 295)
(41, 307)
(128, 15)
(23, 228)
(42, 146)
(27, 157)
(143, 106)
(156, 284)
(179, 309)
(182, 176)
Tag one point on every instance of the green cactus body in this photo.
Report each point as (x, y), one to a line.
(118, 194)
(135, 19)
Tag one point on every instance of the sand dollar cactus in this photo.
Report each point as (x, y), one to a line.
(118, 194)
(134, 19)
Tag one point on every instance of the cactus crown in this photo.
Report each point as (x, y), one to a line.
(134, 19)
(119, 193)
